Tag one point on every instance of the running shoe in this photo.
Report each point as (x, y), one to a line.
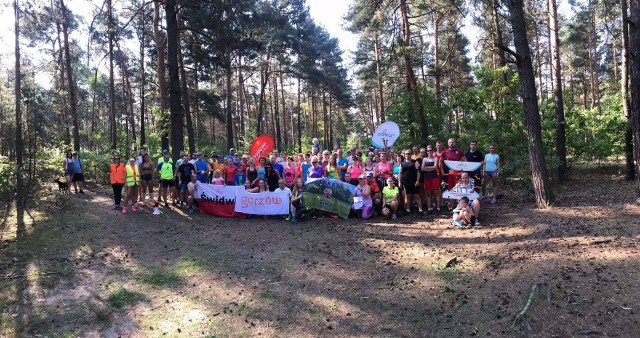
(477, 223)
(394, 217)
(134, 209)
(124, 210)
(143, 204)
(293, 219)
(493, 200)
(190, 211)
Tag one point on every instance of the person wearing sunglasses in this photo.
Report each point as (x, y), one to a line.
(316, 171)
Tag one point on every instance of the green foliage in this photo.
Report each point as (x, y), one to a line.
(592, 135)
(7, 178)
(404, 112)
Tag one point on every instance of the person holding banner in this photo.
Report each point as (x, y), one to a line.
(474, 155)
(450, 154)
(376, 195)
(390, 199)
(192, 187)
(283, 189)
(466, 186)
(362, 202)
(296, 200)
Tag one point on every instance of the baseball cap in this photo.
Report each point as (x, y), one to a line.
(370, 175)
(165, 151)
(199, 154)
(361, 177)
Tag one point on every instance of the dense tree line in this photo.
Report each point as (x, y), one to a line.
(548, 89)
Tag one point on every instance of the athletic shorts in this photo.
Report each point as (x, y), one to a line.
(78, 177)
(432, 184)
(490, 173)
(232, 183)
(183, 187)
(146, 177)
(410, 188)
(167, 183)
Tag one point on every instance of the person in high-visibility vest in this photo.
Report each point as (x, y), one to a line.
(161, 187)
(166, 171)
(133, 183)
(117, 176)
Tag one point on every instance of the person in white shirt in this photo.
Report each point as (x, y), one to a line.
(466, 186)
(283, 189)
(192, 187)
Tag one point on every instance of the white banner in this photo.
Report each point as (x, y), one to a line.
(263, 203)
(462, 166)
(459, 194)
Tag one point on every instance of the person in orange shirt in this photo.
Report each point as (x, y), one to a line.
(117, 177)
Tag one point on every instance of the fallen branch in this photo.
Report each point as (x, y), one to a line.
(602, 241)
(521, 315)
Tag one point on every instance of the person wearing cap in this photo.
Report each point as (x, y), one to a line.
(236, 160)
(202, 168)
(363, 191)
(232, 152)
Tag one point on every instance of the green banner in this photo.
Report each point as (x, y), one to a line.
(329, 195)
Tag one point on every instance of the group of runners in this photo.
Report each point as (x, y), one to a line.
(387, 181)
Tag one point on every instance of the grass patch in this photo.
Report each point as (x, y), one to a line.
(124, 298)
(161, 277)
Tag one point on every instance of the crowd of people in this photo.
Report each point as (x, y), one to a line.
(387, 181)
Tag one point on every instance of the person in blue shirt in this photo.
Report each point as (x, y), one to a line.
(78, 177)
(202, 169)
(232, 152)
(305, 166)
(277, 166)
(491, 170)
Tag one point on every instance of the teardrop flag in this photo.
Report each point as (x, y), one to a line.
(262, 146)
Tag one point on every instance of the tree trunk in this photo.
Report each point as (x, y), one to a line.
(276, 111)
(73, 99)
(160, 41)
(143, 136)
(112, 90)
(186, 104)
(175, 99)
(496, 24)
(240, 94)
(634, 72)
(436, 55)
(264, 79)
(539, 178)
(412, 84)
(299, 113)
(18, 98)
(624, 88)
(379, 75)
(561, 142)
(229, 107)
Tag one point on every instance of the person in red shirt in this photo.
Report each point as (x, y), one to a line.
(450, 154)
(230, 171)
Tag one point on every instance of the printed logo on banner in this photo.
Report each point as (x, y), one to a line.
(388, 131)
(264, 203)
(329, 195)
(462, 165)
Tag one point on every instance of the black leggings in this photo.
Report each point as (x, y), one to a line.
(117, 192)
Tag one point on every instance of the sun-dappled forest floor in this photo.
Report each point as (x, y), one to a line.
(82, 269)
